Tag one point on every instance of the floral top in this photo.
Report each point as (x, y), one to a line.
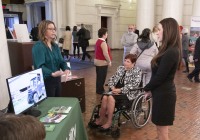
(132, 80)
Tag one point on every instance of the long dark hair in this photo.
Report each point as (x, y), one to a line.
(75, 28)
(170, 38)
(145, 36)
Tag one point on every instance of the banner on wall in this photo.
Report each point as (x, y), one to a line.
(194, 34)
(194, 29)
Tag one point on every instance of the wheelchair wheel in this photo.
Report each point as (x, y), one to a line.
(140, 111)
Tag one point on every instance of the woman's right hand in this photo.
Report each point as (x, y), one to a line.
(57, 73)
(147, 94)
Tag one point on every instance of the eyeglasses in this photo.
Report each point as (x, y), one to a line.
(51, 29)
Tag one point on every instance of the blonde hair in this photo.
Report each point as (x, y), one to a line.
(42, 28)
(155, 29)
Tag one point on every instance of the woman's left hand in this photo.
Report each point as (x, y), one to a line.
(116, 90)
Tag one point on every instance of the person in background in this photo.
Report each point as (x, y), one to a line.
(195, 73)
(21, 127)
(102, 60)
(137, 31)
(8, 34)
(75, 42)
(185, 45)
(84, 43)
(34, 33)
(129, 39)
(67, 44)
(46, 55)
(145, 50)
(154, 36)
(121, 84)
(161, 85)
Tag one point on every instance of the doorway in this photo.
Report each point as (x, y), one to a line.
(104, 24)
(43, 14)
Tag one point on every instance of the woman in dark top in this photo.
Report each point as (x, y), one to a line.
(75, 42)
(46, 55)
(161, 85)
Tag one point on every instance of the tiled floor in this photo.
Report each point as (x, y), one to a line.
(187, 121)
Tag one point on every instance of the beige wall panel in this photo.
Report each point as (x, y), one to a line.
(188, 2)
(126, 21)
(187, 10)
(158, 2)
(80, 9)
(127, 13)
(86, 19)
(186, 20)
(85, 2)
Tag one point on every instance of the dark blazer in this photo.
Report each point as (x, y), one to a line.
(163, 88)
(81, 41)
(197, 49)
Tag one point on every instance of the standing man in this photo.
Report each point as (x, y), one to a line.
(84, 43)
(185, 45)
(195, 72)
(129, 39)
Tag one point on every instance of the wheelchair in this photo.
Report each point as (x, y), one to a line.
(137, 111)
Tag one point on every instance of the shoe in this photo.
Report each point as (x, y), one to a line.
(189, 78)
(185, 71)
(101, 129)
(93, 125)
(197, 80)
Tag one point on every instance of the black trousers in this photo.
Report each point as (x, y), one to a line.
(76, 46)
(186, 63)
(85, 53)
(195, 72)
(53, 86)
(101, 72)
(66, 53)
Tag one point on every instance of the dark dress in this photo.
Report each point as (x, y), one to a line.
(163, 88)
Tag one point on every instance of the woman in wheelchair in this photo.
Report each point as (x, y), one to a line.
(121, 84)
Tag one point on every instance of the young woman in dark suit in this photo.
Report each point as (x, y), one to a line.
(161, 85)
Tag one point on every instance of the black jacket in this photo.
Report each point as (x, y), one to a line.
(197, 50)
(81, 41)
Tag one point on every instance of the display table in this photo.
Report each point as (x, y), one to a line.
(72, 127)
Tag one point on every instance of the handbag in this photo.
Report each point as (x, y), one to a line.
(61, 40)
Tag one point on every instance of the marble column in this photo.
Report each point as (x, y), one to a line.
(28, 13)
(196, 8)
(48, 9)
(145, 14)
(5, 71)
(174, 9)
(71, 16)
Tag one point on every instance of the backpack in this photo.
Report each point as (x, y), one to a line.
(87, 35)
